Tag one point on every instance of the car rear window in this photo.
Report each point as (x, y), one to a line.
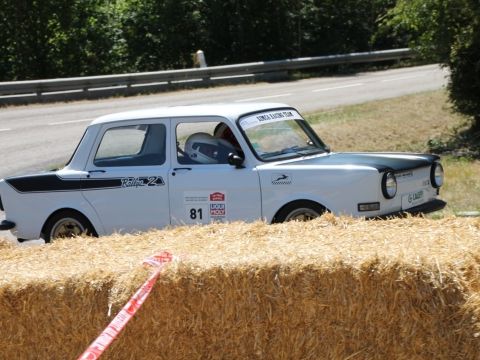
(136, 145)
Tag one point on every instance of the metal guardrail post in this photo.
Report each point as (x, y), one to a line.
(200, 59)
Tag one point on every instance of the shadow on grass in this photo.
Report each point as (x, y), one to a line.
(464, 142)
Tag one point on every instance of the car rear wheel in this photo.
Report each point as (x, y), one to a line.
(299, 211)
(66, 224)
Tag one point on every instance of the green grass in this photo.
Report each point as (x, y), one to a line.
(462, 185)
(409, 123)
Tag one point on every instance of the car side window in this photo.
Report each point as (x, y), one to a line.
(135, 145)
(205, 143)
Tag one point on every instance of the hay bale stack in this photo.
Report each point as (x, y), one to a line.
(334, 288)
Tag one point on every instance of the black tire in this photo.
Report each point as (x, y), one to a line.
(66, 224)
(301, 210)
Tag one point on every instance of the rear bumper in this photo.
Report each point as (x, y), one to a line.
(426, 208)
(6, 225)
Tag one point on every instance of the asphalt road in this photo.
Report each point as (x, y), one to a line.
(38, 137)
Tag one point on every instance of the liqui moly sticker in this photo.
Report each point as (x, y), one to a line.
(217, 210)
(96, 349)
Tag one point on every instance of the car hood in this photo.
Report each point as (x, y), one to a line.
(380, 161)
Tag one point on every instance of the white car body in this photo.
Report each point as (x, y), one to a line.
(170, 191)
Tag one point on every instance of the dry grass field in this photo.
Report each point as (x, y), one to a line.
(401, 124)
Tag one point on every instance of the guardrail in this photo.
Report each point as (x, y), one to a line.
(107, 85)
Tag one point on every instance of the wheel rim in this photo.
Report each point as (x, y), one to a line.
(67, 228)
(302, 214)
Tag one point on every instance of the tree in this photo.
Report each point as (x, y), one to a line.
(160, 34)
(447, 31)
(56, 38)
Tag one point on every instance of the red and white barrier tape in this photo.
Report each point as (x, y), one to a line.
(111, 332)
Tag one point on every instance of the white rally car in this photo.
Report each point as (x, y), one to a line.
(147, 169)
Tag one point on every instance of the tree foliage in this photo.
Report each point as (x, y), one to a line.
(159, 34)
(58, 38)
(447, 31)
(55, 38)
(252, 30)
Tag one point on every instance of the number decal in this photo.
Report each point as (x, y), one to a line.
(194, 213)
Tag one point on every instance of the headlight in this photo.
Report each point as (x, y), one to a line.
(436, 175)
(389, 185)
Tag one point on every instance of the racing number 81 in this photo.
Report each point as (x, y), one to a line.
(194, 213)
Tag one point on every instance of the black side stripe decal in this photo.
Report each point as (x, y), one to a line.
(52, 182)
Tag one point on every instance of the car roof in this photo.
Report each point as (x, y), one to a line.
(231, 111)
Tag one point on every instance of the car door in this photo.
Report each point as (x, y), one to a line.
(203, 187)
(127, 175)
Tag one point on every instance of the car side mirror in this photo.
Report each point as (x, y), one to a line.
(236, 161)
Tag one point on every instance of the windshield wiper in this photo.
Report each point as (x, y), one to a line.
(294, 150)
(312, 151)
(291, 149)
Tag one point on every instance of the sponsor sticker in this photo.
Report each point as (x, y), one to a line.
(426, 182)
(405, 176)
(217, 210)
(217, 196)
(281, 179)
(413, 199)
(268, 117)
(204, 206)
(195, 197)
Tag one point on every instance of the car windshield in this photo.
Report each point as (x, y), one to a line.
(280, 134)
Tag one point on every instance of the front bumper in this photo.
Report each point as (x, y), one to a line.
(426, 208)
(6, 225)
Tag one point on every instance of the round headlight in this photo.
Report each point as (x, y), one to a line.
(436, 175)
(389, 185)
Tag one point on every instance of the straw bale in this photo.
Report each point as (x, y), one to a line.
(4, 243)
(333, 288)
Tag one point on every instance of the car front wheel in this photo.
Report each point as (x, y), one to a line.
(299, 211)
(66, 224)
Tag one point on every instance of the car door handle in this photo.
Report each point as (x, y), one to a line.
(180, 169)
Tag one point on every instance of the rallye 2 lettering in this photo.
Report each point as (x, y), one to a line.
(142, 181)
